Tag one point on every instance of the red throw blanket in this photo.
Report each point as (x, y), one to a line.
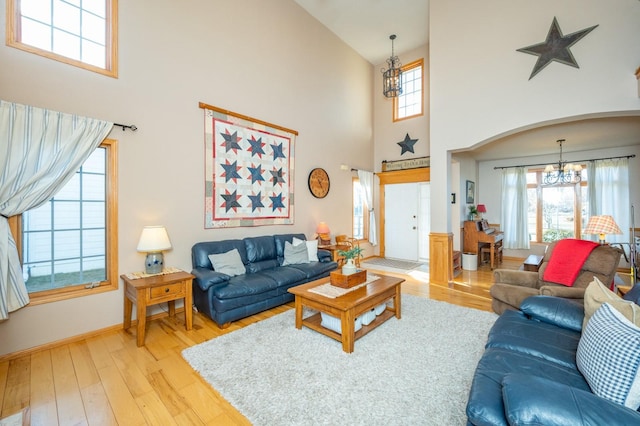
(566, 261)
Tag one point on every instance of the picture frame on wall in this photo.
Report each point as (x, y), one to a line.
(471, 192)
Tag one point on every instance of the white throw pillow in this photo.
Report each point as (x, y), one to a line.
(228, 263)
(294, 255)
(608, 358)
(312, 248)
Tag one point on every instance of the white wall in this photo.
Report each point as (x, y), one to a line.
(480, 87)
(268, 60)
(388, 133)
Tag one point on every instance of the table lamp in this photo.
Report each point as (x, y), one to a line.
(323, 233)
(602, 225)
(153, 240)
(481, 209)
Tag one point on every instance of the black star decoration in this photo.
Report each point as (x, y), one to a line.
(407, 144)
(555, 48)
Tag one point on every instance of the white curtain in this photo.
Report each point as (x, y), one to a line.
(40, 150)
(514, 208)
(609, 194)
(366, 181)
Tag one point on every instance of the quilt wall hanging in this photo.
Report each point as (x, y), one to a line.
(249, 170)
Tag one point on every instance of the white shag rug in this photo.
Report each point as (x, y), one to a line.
(413, 371)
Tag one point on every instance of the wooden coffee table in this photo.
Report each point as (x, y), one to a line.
(348, 307)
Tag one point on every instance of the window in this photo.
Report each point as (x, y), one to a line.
(360, 212)
(558, 211)
(409, 103)
(68, 245)
(77, 32)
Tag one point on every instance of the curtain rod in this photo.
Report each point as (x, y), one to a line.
(358, 170)
(573, 161)
(125, 127)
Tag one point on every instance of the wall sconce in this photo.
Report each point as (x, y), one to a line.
(153, 240)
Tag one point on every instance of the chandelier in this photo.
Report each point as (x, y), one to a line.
(567, 173)
(392, 78)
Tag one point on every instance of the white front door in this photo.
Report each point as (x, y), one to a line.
(401, 221)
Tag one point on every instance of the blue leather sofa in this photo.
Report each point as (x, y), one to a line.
(528, 374)
(264, 285)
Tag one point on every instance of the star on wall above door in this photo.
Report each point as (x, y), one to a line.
(407, 144)
(555, 48)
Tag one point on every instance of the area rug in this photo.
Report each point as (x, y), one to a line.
(393, 263)
(416, 370)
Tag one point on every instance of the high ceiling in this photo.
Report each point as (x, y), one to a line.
(365, 25)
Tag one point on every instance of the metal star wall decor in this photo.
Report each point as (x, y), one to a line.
(555, 48)
(407, 144)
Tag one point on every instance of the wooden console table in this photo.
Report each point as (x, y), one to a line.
(156, 289)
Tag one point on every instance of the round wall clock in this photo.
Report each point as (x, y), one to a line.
(319, 183)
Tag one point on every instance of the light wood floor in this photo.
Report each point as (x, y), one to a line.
(107, 379)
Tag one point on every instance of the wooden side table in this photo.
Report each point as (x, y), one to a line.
(532, 263)
(156, 289)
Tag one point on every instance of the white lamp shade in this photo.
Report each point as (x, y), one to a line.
(154, 238)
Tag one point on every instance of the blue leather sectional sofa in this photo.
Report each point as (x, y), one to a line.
(226, 298)
(528, 374)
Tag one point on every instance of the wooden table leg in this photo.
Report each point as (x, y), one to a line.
(298, 304)
(493, 247)
(172, 308)
(188, 309)
(141, 312)
(128, 309)
(347, 324)
(397, 302)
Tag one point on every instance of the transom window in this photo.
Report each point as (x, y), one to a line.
(68, 245)
(78, 32)
(409, 103)
(558, 211)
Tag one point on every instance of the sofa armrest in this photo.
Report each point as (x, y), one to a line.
(565, 313)
(324, 255)
(533, 400)
(562, 291)
(521, 278)
(207, 277)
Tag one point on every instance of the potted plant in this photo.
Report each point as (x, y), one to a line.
(473, 212)
(349, 266)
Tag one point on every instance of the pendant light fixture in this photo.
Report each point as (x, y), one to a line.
(392, 77)
(567, 173)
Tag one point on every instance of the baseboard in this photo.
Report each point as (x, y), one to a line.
(79, 337)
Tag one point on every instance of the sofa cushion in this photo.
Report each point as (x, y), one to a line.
(312, 248)
(280, 239)
(294, 255)
(533, 400)
(515, 332)
(608, 357)
(565, 313)
(315, 269)
(597, 294)
(200, 251)
(485, 405)
(260, 248)
(245, 285)
(228, 263)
